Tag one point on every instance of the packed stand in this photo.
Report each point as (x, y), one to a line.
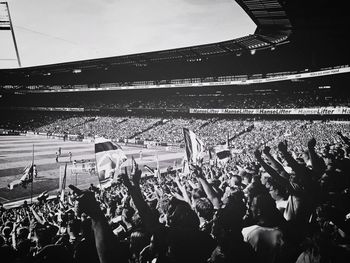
(112, 127)
(227, 98)
(283, 198)
(170, 130)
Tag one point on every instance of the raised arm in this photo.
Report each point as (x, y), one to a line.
(104, 239)
(274, 174)
(146, 214)
(182, 189)
(318, 165)
(274, 163)
(14, 234)
(209, 191)
(299, 169)
(36, 216)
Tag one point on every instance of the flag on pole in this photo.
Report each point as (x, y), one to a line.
(149, 169)
(109, 158)
(195, 148)
(27, 177)
(223, 154)
(158, 169)
(28, 173)
(63, 185)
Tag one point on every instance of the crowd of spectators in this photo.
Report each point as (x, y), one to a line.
(170, 130)
(26, 121)
(283, 196)
(213, 131)
(105, 126)
(220, 99)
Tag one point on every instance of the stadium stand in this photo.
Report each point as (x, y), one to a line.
(276, 102)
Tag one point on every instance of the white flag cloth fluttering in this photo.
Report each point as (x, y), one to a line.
(195, 148)
(109, 158)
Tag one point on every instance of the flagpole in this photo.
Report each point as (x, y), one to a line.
(96, 169)
(31, 185)
(158, 168)
(63, 184)
(76, 177)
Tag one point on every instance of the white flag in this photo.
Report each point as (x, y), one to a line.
(26, 178)
(195, 148)
(109, 158)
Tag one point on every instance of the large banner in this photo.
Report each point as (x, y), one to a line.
(44, 109)
(299, 111)
(55, 109)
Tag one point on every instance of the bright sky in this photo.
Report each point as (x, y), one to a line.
(53, 31)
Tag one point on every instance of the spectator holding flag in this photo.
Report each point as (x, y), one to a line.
(195, 147)
(109, 158)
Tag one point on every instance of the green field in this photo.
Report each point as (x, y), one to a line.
(17, 151)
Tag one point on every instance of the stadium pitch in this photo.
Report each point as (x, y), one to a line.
(16, 152)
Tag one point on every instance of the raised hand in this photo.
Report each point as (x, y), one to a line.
(266, 150)
(257, 154)
(86, 203)
(15, 226)
(125, 179)
(311, 143)
(282, 146)
(136, 176)
(197, 171)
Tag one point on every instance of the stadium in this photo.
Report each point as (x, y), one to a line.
(219, 132)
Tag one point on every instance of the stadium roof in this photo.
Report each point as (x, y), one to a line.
(270, 14)
(278, 21)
